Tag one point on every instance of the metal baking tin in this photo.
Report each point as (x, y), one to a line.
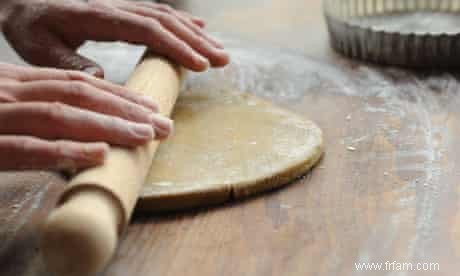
(350, 35)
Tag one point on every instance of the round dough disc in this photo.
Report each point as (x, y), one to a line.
(228, 145)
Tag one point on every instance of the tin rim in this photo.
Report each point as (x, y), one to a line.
(426, 50)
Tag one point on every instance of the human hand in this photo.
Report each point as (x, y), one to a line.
(56, 119)
(47, 32)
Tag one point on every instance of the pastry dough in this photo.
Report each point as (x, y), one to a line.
(227, 145)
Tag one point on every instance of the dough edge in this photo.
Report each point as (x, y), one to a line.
(218, 194)
(227, 192)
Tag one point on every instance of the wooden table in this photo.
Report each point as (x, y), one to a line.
(386, 191)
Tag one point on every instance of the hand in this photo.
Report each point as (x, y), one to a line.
(47, 32)
(56, 119)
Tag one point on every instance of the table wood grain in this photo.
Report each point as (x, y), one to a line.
(386, 190)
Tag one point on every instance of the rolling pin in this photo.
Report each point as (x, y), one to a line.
(82, 233)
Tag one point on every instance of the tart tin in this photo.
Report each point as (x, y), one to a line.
(411, 33)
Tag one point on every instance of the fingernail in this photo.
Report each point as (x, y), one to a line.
(96, 151)
(221, 58)
(202, 63)
(222, 52)
(143, 131)
(199, 20)
(94, 71)
(223, 55)
(150, 103)
(206, 62)
(100, 147)
(86, 156)
(217, 43)
(161, 122)
(163, 134)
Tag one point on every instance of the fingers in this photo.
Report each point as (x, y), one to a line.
(198, 30)
(194, 23)
(196, 20)
(50, 37)
(65, 57)
(201, 44)
(79, 94)
(82, 91)
(165, 8)
(141, 30)
(199, 41)
(32, 153)
(108, 23)
(26, 74)
(41, 47)
(59, 121)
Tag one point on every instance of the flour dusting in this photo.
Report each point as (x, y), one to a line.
(387, 95)
(402, 106)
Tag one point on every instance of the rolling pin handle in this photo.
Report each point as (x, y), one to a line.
(81, 235)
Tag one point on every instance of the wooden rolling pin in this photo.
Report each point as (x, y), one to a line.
(81, 234)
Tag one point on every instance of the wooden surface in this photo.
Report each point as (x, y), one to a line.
(386, 190)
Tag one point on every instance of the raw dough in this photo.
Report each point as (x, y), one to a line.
(228, 145)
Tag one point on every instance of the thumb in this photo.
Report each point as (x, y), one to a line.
(71, 60)
(56, 53)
